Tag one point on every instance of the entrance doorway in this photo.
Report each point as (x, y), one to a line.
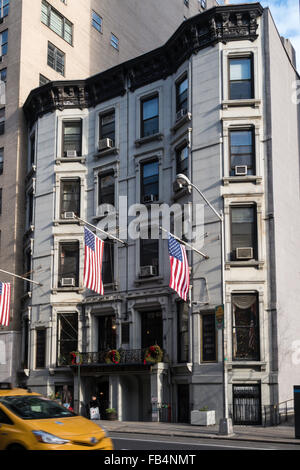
(183, 403)
(103, 396)
(246, 404)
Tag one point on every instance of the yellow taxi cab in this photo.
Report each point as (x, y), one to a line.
(29, 421)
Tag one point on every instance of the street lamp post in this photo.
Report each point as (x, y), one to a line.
(225, 426)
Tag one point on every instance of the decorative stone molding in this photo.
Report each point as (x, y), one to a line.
(218, 24)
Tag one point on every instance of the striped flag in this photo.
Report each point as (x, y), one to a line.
(180, 276)
(93, 256)
(4, 303)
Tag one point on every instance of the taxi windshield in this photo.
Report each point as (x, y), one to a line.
(35, 407)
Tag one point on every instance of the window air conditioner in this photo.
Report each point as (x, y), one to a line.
(105, 144)
(68, 215)
(149, 198)
(68, 282)
(180, 114)
(244, 253)
(71, 153)
(240, 170)
(148, 271)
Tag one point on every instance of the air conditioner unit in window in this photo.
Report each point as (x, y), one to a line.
(68, 215)
(148, 271)
(149, 198)
(244, 253)
(71, 153)
(105, 144)
(180, 114)
(240, 170)
(68, 282)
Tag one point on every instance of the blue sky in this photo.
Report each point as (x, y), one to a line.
(286, 17)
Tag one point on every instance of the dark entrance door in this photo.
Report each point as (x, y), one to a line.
(183, 401)
(246, 404)
(103, 395)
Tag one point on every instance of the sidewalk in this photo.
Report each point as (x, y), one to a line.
(276, 434)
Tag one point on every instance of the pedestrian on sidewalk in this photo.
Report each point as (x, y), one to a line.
(93, 408)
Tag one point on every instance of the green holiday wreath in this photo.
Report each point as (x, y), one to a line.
(112, 357)
(153, 354)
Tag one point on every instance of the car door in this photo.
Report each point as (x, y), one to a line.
(6, 429)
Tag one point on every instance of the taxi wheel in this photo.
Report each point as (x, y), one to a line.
(15, 447)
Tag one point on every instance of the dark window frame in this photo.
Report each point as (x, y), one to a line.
(256, 329)
(184, 169)
(69, 339)
(111, 195)
(65, 22)
(108, 134)
(77, 202)
(251, 80)
(144, 100)
(53, 62)
(250, 129)
(182, 104)
(40, 350)
(212, 317)
(73, 246)
(69, 122)
(183, 349)
(152, 319)
(143, 164)
(253, 206)
(96, 23)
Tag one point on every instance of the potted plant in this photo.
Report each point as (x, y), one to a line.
(203, 417)
(111, 414)
(153, 355)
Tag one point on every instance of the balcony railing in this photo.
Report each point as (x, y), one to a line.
(124, 357)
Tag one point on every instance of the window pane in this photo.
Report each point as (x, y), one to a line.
(108, 262)
(114, 41)
(243, 228)
(240, 69)
(150, 179)
(209, 352)
(56, 23)
(150, 108)
(69, 261)
(68, 31)
(107, 126)
(40, 348)
(67, 337)
(97, 21)
(72, 137)
(182, 160)
(44, 15)
(107, 189)
(149, 253)
(152, 329)
(245, 327)
(241, 150)
(70, 195)
(183, 332)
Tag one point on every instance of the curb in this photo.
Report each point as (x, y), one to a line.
(233, 437)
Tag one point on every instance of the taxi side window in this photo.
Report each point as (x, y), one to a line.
(4, 419)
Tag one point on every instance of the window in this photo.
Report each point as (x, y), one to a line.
(4, 419)
(97, 22)
(29, 209)
(106, 183)
(72, 137)
(3, 75)
(182, 332)
(32, 149)
(242, 158)
(28, 270)
(40, 357)
(67, 337)
(240, 78)
(182, 160)
(150, 182)
(70, 197)
(149, 252)
(208, 338)
(57, 22)
(68, 269)
(1, 201)
(3, 42)
(243, 232)
(4, 8)
(43, 80)
(2, 121)
(125, 333)
(1, 160)
(182, 96)
(152, 329)
(203, 3)
(107, 126)
(149, 113)
(114, 41)
(245, 327)
(106, 332)
(108, 262)
(56, 59)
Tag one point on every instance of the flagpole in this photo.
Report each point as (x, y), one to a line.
(21, 277)
(185, 243)
(102, 231)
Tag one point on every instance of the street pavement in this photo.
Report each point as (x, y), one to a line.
(283, 434)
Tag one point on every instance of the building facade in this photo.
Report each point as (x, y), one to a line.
(57, 40)
(214, 103)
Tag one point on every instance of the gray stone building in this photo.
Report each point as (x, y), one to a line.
(42, 41)
(215, 104)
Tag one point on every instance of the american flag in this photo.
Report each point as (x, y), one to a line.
(93, 256)
(180, 276)
(4, 303)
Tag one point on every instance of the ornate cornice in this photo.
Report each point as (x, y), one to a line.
(219, 24)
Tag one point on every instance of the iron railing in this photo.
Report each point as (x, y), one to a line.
(131, 356)
(266, 415)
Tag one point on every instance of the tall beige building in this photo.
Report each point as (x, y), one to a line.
(55, 40)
